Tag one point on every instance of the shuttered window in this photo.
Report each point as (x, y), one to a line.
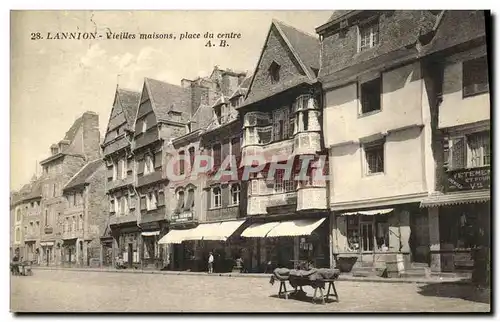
(161, 198)
(182, 162)
(157, 160)
(475, 76)
(188, 205)
(458, 153)
(216, 155)
(180, 202)
(191, 152)
(143, 203)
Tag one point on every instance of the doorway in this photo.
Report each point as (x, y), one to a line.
(419, 238)
(130, 254)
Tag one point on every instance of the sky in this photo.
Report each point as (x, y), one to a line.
(54, 81)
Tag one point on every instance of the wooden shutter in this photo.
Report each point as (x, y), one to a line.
(140, 168)
(458, 153)
(110, 173)
(161, 198)
(236, 147)
(143, 202)
(341, 235)
(158, 159)
(217, 154)
(189, 201)
(133, 201)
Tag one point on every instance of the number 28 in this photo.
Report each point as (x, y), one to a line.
(36, 36)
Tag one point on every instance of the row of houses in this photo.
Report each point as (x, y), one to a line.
(392, 106)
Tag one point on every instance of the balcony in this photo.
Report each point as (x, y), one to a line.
(146, 138)
(119, 183)
(149, 178)
(31, 237)
(48, 230)
(259, 204)
(278, 151)
(468, 179)
(309, 198)
(307, 143)
(122, 219)
(72, 234)
(153, 215)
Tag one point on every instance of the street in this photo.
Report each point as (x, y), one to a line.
(71, 291)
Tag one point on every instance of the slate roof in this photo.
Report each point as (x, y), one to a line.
(338, 14)
(455, 27)
(167, 98)
(400, 34)
(70, 134)
(82, 176)
(35, 191)
(307, 46)
(129, 101)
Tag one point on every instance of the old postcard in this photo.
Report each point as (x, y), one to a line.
(250, 161)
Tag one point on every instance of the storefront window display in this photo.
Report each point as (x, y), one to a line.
(367, 233)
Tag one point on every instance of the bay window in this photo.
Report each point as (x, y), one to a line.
(468, 151)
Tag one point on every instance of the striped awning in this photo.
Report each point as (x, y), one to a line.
(259, 230)
(222, 230)
(150, 233)
(298, 227)
(456, 198)
(369, 212)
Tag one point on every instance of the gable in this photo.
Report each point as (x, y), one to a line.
(290, 70)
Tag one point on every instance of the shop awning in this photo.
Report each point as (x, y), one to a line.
(150, 233)
(221, 231)
(298, 227)
(176, 236)
(457, 198)
(259, 230)
(203, 230)
(369, 212)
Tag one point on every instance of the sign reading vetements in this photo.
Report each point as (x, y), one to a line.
(468, 179)
(182, 217)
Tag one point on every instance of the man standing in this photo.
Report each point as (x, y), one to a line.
(210, 263)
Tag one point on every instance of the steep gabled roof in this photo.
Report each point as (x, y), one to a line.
(35, 190)
(305, 49)
(82, 176)
(454, 27)
(70, 134)
(337, 14)
(168, 99)
(129, 101)
(306, 46)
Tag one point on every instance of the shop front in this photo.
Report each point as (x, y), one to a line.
(192, 244)
(69, 252)
(48, 253)
(291, 243)
(151, 254)
(384, 238)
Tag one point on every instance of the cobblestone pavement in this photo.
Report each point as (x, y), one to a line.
(60, 291)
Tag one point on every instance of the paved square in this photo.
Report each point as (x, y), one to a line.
(72, 291)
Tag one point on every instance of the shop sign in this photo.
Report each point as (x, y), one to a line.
(468, 179)
(182, 217)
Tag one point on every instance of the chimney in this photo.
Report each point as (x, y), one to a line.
(186, 83)
(63, 145)
(91, 135)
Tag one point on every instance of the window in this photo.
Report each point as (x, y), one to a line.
(368, 36)
(191, 157)
(112, 205)
(280, 124)
(66, 225)
(180, 202)
(118, 205)
(115, 171)
(301, 120)
(80, 222)
(216, 198)
(182, 156)
(216, 154)
(189, 204)
(151, 201)
(18, 234)
(124, 205)
(54, 190)
(124, 168)
(370, 95)
(75, 202)
(144, 125)
(218, 114)
(18, 215)
(148, 164)
(364, 233)
(469, 151)
(305, 120)
(235, 147)
(475, 76)
(73, 223)
(374, 157)
(274, 72)
(45, 170)
(46, 217)
(235, 194)
(31, 229)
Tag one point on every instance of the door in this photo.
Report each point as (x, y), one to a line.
(130, 254)
(419, 238)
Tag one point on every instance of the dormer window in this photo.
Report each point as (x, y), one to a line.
(368, 35)
(274, 72)
(144, 125)
(218, 114)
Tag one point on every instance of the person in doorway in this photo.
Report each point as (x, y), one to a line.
(14, 267)
(210, 263)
